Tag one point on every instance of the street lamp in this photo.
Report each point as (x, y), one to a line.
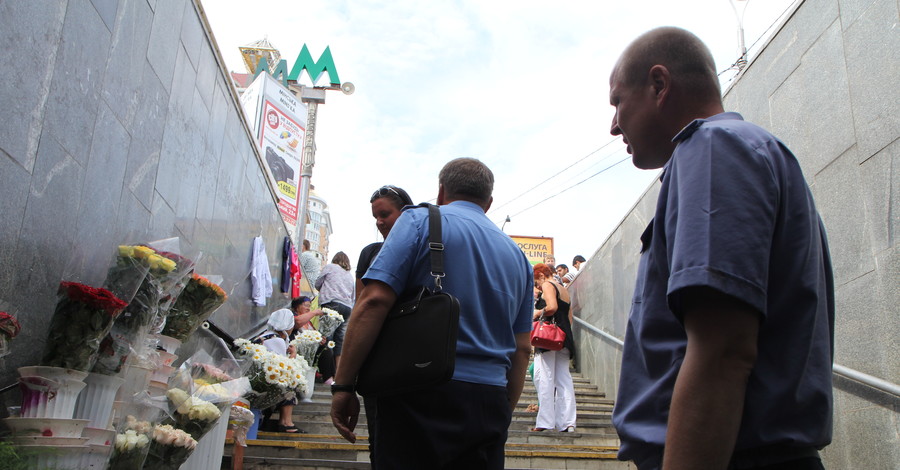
(504, 223)
(312, 96)
(742, 60)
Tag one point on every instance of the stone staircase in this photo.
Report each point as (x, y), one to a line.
(593, 446)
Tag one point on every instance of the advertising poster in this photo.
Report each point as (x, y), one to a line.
(535, 248)
(280, 130)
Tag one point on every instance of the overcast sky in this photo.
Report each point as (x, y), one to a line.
(523, 86)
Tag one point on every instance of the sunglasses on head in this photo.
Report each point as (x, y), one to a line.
(383, 191)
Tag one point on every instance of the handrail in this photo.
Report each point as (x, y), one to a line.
(600, 332)
(861, 377)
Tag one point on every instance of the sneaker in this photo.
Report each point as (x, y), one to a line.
(569, 429)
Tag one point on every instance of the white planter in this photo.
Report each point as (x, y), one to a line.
(45, 398)
(96, 400)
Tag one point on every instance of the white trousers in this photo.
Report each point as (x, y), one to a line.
(556, 392)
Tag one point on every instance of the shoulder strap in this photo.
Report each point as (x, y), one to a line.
(435, 244)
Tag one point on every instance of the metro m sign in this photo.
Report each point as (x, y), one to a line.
(304, 61)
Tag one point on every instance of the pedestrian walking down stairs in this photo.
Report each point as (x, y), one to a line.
(592, 446)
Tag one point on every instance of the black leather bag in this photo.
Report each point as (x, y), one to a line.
(416, 347)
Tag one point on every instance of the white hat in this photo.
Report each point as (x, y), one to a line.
(281, 320)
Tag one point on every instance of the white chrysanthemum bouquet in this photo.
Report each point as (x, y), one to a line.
(307, 343)
(330, 322)
(272, 377)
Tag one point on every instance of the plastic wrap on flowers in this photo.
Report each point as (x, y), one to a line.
(134, 434)
(199, 299)
(240, 420)
(169, 448)
(329, 322)
(124, 278)
(307, 344)
(83, 317)
(272, 377)
(9, 329)
(202, 390)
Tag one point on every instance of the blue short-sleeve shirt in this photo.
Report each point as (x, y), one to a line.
(484, 269)
(734, 214)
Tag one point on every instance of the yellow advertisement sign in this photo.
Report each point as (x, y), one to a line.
(535, 248)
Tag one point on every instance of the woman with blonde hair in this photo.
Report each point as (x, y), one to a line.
(556, 391)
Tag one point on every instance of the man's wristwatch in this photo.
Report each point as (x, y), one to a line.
(342, 388)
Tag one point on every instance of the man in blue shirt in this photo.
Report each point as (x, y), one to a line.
(728, 350)
(463, 423)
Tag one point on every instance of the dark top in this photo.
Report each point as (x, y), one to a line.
(366, 256)
(734, 214)
(562, 321)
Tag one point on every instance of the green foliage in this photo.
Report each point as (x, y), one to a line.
(12, 458)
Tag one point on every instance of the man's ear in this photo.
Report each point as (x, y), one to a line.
(440, 197)
(661, 83)
(488, 205)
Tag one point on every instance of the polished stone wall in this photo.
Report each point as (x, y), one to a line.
(825, 84)
(120, 126)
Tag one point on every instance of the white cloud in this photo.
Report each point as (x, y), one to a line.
(521, 85)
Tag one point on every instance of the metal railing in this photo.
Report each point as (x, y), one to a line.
(846, 372)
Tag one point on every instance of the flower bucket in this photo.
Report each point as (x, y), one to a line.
(52, 373)
(96, 400)
(254, 428)
(96, 457)
(100, 437)
(137, 379)
(49, 427)
(306, 396)
(55, 457)
(45, 398)
(169, 344)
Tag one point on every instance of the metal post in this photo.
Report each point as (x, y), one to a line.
(312, 97)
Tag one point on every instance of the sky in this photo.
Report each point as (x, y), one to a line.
(522, 86)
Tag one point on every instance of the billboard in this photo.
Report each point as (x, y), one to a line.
(535, 248)
(279, 124)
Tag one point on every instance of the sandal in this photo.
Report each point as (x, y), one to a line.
(569, 429)
(538, 429)
(288, 429)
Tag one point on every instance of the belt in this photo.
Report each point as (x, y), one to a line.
(763, 456)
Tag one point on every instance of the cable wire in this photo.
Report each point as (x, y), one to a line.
(570, 187)
(553, 176)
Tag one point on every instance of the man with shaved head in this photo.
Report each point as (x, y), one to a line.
(728, 350)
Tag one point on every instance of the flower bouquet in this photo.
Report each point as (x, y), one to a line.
(170, 448)
(131, 445)
(272, 377)
(330, 322)
(160, 275)
(240, 420)
(9, 328)
(193, 415)
(307, 343)
(83, 317)
(172, 289)
(199, 299)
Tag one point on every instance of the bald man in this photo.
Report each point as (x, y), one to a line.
(728, 349)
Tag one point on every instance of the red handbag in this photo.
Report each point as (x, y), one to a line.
(546, 335)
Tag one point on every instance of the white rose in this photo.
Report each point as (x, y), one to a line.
(142, 441)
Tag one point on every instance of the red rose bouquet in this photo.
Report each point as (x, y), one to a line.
(83, 317)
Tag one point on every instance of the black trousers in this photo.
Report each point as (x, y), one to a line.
(456, 425)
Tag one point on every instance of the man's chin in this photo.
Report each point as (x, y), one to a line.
(645, 162)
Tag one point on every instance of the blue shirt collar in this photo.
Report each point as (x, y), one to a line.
(693, 126)
(468, 205)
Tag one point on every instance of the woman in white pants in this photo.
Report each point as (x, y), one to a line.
(556, 392)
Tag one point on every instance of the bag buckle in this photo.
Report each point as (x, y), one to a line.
(436, 246)
(437, 281)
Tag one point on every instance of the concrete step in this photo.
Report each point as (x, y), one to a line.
(328, 454)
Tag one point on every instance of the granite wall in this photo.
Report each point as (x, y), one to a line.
(120, 126)
(825, 84)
